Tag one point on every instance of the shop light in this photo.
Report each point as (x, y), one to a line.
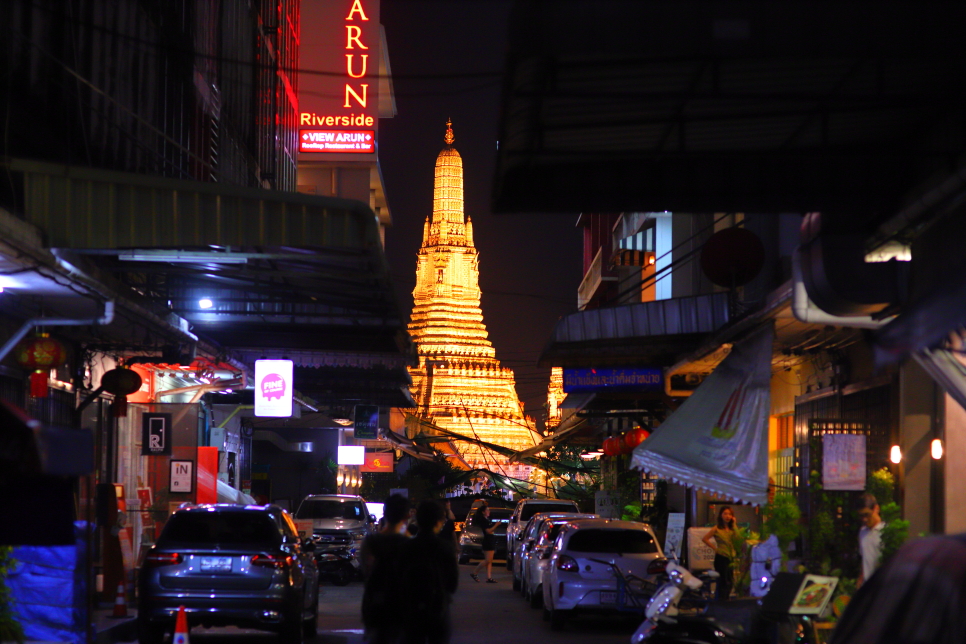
(936, 448)
(339, 478)
(205, 303)
(895, 454)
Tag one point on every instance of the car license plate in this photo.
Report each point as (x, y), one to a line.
(608, 597)
(216, 564)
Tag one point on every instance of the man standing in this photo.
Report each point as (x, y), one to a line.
(870, 535)
(380, 560)
(429, 579)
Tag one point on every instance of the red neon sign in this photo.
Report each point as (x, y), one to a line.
(351, 141)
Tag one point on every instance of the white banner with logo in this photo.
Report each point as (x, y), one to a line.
(718, 439)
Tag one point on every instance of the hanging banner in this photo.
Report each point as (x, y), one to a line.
(718, 439)
(843, 461)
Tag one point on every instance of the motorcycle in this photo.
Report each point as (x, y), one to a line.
(338, 566)
(744, 621)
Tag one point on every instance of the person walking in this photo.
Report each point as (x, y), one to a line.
(482, 521)
(428, 579)
(381, 615)
(721, 539)
(870, 535)
(449, 527)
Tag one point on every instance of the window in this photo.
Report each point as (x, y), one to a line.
(612, 541)
(532, 508)
(223, 528)
(330, 509)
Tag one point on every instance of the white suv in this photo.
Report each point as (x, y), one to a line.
(522, 513)
(581, 574)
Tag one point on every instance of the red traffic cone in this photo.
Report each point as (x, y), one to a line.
(120, 602)
(181, 628)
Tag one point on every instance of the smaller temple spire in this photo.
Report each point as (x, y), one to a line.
(449, 138)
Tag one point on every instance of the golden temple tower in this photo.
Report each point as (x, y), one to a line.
(459, 384)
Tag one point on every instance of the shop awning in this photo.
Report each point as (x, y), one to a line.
(717, 440)
(257, 272)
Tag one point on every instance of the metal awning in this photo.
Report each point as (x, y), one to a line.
(648, 332)
(255, 271)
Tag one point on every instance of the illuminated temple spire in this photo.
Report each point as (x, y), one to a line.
(459, 384)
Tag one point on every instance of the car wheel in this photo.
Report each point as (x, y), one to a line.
(558, 618)
(464, 559)
(149, 632)
(310, 627)
(343, 576)
(536, 597)
(509, 562)
(516, 583)
(546, 614)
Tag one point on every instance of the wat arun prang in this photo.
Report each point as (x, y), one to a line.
(459, 384)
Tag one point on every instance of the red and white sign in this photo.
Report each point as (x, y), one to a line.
(377, 462)
(273, 388)
(350, 141)
(339, 55)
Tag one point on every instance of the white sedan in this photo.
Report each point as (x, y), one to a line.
(581, 575)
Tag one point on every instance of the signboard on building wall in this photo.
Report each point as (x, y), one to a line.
(636, 378)
(378, 462)
(182, 477)
(366, 424)
(338, 92)
(155, 434)
(273, 388)
(843, 461)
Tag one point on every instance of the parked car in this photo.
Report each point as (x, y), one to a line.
(339, 522)
(240, 565)
(524, 540)
(580, 576)
(524, 510)
(536, 560)
(471, 539)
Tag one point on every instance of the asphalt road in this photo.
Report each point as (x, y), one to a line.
(482, 614)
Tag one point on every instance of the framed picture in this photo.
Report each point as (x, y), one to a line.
(182, 479)
(813, 595)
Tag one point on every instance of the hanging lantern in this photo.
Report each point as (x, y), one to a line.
(635, 437)
(120, 381)
(612, 446)
(40, 354)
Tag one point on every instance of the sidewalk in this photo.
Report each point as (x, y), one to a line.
(109, 629)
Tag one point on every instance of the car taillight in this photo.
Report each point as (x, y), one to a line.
(272, 561)
(156, 560)
(568, 564)
(657, 567)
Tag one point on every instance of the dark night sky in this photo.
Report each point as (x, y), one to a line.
(447, 59)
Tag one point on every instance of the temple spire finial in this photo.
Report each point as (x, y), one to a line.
(449, 138)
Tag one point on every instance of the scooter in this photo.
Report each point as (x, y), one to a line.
(338, 566)
(744, 621)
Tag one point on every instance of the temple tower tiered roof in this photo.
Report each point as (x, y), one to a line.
(459, 384)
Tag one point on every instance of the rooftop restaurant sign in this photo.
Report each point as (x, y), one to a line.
(636, 378)
(338, 77)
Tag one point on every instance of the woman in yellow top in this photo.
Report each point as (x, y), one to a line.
(723, 545)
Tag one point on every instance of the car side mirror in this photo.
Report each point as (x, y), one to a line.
(519, 536)
(372, 519)
(513, 519)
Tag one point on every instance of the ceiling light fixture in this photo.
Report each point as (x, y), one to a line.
(205, 303)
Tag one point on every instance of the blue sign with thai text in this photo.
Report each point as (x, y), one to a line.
(636, 378)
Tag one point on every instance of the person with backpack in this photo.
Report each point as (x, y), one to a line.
(428, 579)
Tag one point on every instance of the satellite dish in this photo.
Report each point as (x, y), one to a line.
(732, 257)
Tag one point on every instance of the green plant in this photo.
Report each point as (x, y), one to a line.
(10, 628)
(881, 484)
(896, 529)
(782, 519)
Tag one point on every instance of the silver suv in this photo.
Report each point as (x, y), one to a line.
(241, 565)
(339, 521)
(522, 513)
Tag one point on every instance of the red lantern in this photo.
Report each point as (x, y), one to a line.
(612, 446)
(120, 381)
(635, 437)
(40, 354)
